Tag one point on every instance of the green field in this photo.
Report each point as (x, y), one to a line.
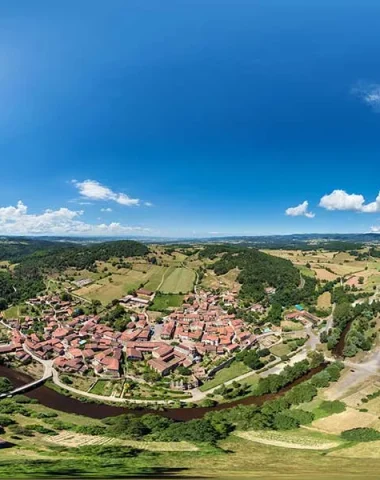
(280, 350)
(164, 301)
(305, 271)
(172, 280)
(12, 312)
(178, 280)
(119, 284)
(103, 387)
(224, 375)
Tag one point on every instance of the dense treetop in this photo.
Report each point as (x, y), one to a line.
(26, 280)
(259, 270)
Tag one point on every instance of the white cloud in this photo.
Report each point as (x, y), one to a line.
(96, 191)
(17, 221)
(375, 229)
(148, 204)
(108, 210)
(341, 200)
(369, 93)
(300, 210)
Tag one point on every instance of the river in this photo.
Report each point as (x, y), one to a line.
(337, 351)
(50, 398)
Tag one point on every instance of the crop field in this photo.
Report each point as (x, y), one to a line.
(178, 280)
(298, 439)
(324, 301)
(361, 450)
(323, 274)
(118, 284)
(328, 266)
(71, 439)
(347, 420)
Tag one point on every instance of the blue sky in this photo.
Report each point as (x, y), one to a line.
(189, 118)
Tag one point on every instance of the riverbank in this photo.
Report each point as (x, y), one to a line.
(57, 401)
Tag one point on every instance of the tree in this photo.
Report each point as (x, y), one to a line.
(282, 421)
(315, 358)
(5, 385)
(3, 304)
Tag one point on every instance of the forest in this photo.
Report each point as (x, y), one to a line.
(26, 279)
(259, 270)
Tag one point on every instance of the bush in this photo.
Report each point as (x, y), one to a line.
(18, 430)
(5, 421)
(40, 429)
(44, 415)
(112, 451)
(91, 429)
(23, 399)
(9, 407)
(361, 435)
(332, 407)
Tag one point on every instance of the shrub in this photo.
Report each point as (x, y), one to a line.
(44, 415)
(112, 451)
(23, 399)
(40, 429)
(331, 407)
(18, 430)
(361, 435)
(91, 429)
(5, 421)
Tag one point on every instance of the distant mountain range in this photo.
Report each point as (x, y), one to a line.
(261, 241)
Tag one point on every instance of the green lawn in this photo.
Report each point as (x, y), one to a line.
(280, 350)
(178, 280)
(307, 272)
(226, 374)
(103, 387)
(12, 312)
(163, 302)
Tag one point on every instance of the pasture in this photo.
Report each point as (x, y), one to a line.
(302, 439)
(328, 266)
(351, 418)
(164, 302)
(324, 301)
(73, 440)
(178, 280)
(113, 283)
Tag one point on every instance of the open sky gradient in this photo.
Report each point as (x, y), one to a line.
(189, 118)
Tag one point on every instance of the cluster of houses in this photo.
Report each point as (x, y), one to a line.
(81, 344)
(15, 347)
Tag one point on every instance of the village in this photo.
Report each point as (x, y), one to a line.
(192, 342)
